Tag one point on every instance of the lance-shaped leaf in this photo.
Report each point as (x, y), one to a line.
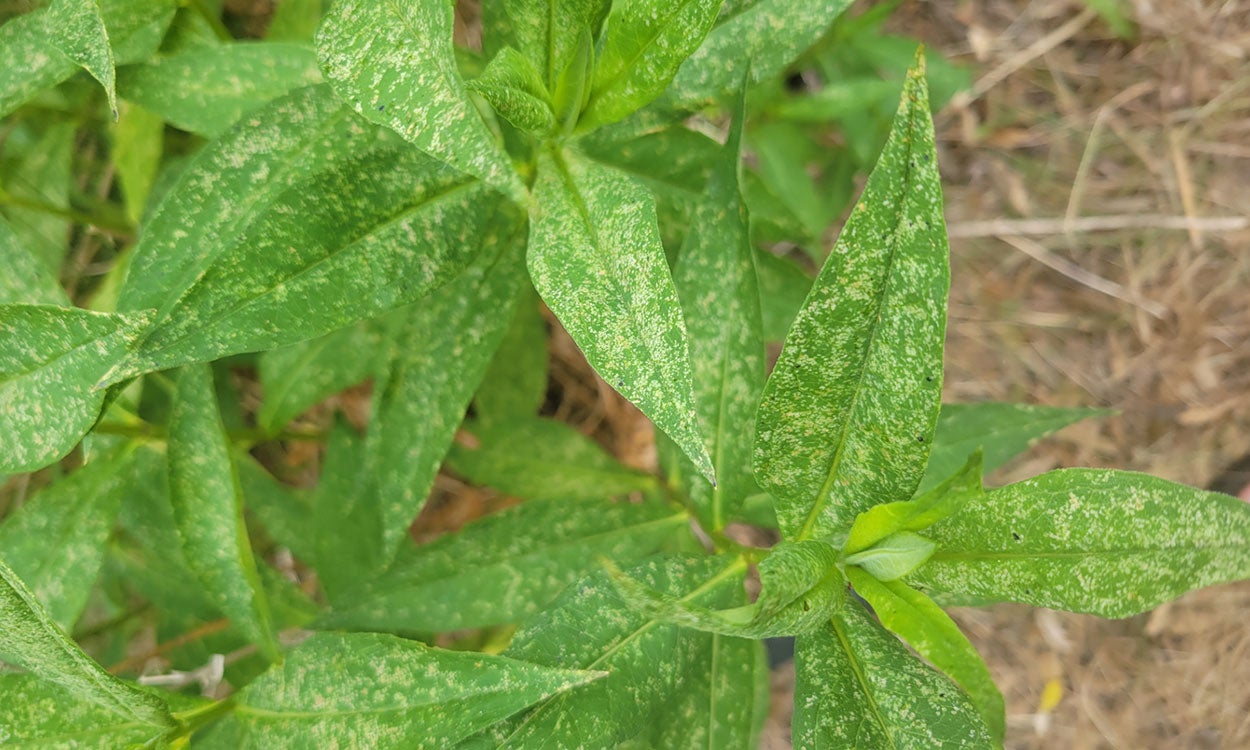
(847, 416)
(645, 43)
(1109, 543)
(505, 567)
(543, 458)
(393, 62)
(31, 45)
(914, 617)
(590, 628)
(207, 89)
(25, 279)
(946, 499)
(723, 701)
(515, 383)
(549, 32)
(138, 140)
(1000, 431)
(208, 508)
(50, 360)
(298, 222)
(76, 29)
(766, 34)
(28, 635)
(596, 259)
(720, 300)
(783, 287)
(296, 377)
(37, 168)
(55, 541)
(859, 687)
(379, 691)
(516, 90)
(801, 587)
(40, 714)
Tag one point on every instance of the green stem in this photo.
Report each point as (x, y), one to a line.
(196, 718)
(69, 214)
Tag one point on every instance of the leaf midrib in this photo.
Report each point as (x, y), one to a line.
(606, 87)
(862, 681)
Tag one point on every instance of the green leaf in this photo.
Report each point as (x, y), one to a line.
(50, 361)
(138, 135)
(723, 700)
(504, 567)
(378, 691)
(31, 44)
(783, 287)
(847, 416)
(645, 43)
(516, 91)
(596, 259)
(800, 588)
(76, 29)
(207, 90)
(208, 508)
(720, 298)
(296, 377)
(294, 21)
(893, 557)
(919, 513)
(40, 715)
(25, 279)
(515, 382)
(835, 99)
(550, 32)
(55, 541)
(36, 171)
(305, 202)
(925, 627)
(767, 35)
(646, 660)
(542, 458)
(393, 62)
(28, 634)
(1109, 543)
(1000, 431)
(859, 687)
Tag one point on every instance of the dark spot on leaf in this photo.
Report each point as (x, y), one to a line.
(807, 606)
(928, 378)
(620, 383)
(381, 107)
(920, 438)
(1016, 536)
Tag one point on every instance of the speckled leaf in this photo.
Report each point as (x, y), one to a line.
(859, 687)
(645, 43)
(550, 31)
(25, 279)
(801, 587)
(27, 634)
(35, 166)
(55, 541)
(393, 62)
(50, 361)
(767, 35)
(208, 508)
(39, 715)
(378, 691)
(515, 382)
(914, 617)
(1000, 430)
(722, 702)
(847, 416)
(138, 138)
(589, 627)
(34, 63)
(301, 220)
(504, 567)
(720, 299)
(596, 259)
(543, 458)
(296, 377)
(516, 91)
(207, 90)
(1109, 543)
(76, 29)
(919, 513)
